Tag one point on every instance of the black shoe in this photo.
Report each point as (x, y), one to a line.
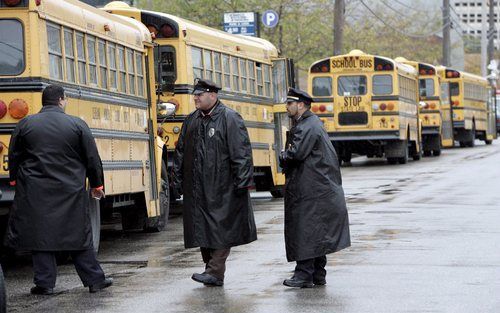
(207, 279)
(37, 290)
(299, 283)
(100, 286)
(319, 282)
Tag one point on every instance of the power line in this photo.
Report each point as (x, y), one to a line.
(397, 30)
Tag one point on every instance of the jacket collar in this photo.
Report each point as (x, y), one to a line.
(52, 108)
(305, 115)
(216, 110)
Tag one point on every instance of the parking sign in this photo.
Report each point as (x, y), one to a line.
(270, 18)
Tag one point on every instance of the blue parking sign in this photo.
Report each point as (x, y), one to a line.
(270, 18)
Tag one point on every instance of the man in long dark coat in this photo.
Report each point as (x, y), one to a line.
(316, 220)
(50, 155)
(213, 168)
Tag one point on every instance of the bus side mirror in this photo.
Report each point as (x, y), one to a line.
(166, 108)
(422, 104)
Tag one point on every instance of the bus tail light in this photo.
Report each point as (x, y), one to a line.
(423, 72)
(322, 108)
(18, 108)
(12, 3)
(433, 106)
(383, 106)
(314, 108)
(176, 129)
(321, 67)
(390, 106)
(375, 107)
(455, 102)
(174, 102)
(329, 108)
(3, 109)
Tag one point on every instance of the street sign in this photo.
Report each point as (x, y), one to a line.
(242, 23)
(270, 18)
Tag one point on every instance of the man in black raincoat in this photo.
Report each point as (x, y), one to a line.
(316, 220)
(50, 155)
(213, 168)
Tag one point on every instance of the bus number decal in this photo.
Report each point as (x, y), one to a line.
(5, 163)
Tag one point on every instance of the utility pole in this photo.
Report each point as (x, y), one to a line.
(491, 33)
(484, 40)
(338, 26)
(446, 32)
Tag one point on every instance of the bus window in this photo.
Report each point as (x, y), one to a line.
(80, 51)
(251, 76)
(55, 51)
(103, 64)
(267, 79)
(11, 47)
(454, 89)
(92, 59)
(243, 72)
(131, 71)
(218, 68)
(426, 88)
(197, 62)
(236, 73)
(351, 85)
(121, 68)
(70, 55)
(260, 86)
(227, 73)
(207, 61)
(382, 84)
(140, 74)
(112, 66)
(322, 86)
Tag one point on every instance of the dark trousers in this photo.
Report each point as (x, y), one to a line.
(311, 269)
(215, 261)
(85, 261)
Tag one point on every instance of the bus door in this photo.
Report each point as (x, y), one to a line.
(283, 78)
(352, 106)
(446, 114)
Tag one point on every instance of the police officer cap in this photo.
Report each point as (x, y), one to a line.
(298, 95)
(204, 85)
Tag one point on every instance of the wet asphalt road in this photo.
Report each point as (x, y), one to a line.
(425, 238)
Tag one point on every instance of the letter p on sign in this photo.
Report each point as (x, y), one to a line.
(270, 18)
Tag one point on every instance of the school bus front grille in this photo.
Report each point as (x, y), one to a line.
(353, 118)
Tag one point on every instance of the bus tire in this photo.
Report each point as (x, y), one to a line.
(427, 153)
(463, 144)
(277, 193)
(3, 297)
(95, 222)
(436, 152)
(392, 161)
(488, 141)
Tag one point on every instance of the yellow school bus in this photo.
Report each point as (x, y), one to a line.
(369, 105)
(104, 63)
(469, 97)
(435, 115)
(253, 78)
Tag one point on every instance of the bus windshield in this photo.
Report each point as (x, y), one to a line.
(351, 85)
(11, 47)
(426, 87)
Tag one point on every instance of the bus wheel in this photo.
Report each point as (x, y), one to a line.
(3, 298)
(463, 144)
(436, 152)
(392, 160)
(277, 193)
(95, 222)
(488, 142)
(427, 153)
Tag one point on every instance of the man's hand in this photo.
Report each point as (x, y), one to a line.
(97, 193)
